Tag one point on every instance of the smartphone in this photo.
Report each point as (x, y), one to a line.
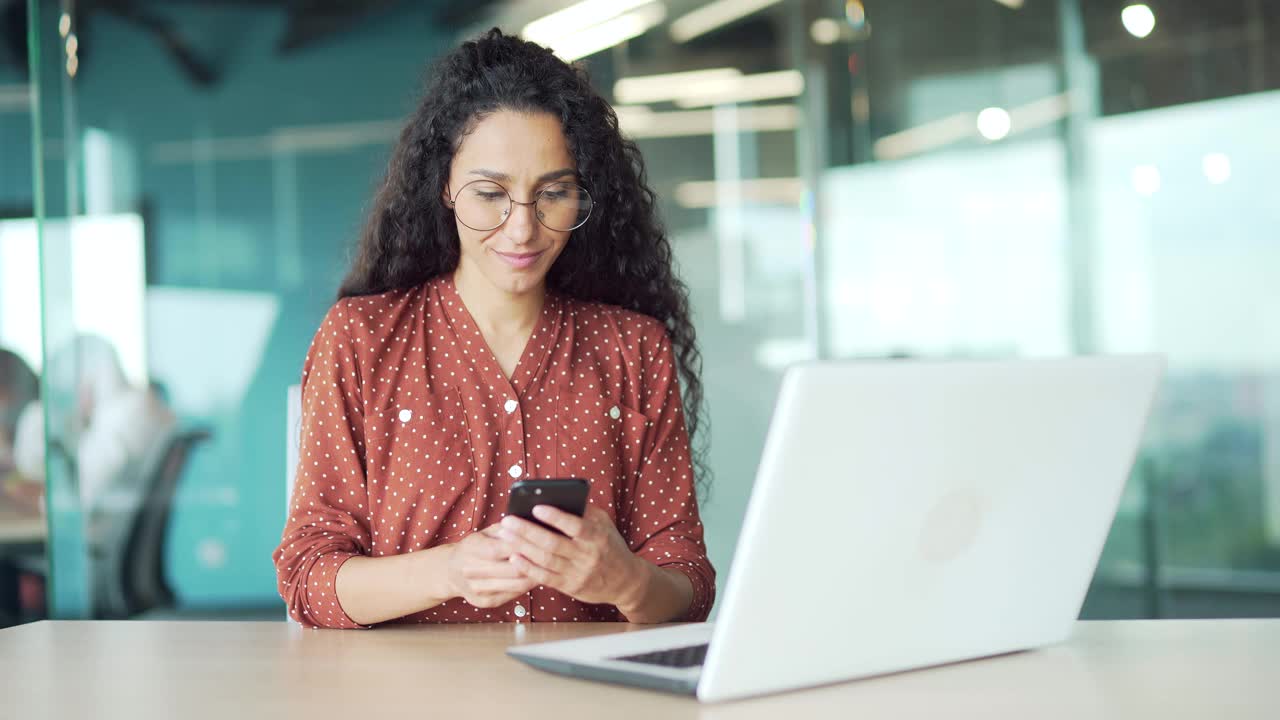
(567, 494)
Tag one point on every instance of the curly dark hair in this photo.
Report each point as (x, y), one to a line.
(410, 236)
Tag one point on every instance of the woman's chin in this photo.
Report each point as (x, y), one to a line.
(517, 282)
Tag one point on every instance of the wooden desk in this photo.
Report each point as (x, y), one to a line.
(20, 527)
(1141, 669)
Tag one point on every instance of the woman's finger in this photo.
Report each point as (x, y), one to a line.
(540, 557)
(514, 527)
(492, 570)
(502, 586)
(566, 523)
(536, 573)
(488, 545)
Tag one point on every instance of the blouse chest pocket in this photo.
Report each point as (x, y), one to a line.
(433, 465)
(446, 431)
(601, 440)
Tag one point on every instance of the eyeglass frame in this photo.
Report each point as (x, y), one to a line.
(453, 204)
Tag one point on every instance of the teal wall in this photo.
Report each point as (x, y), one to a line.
(15, 146)
(214, 224)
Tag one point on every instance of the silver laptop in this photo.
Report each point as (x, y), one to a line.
(905, 514)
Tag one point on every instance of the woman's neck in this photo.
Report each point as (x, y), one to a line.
(500, 315)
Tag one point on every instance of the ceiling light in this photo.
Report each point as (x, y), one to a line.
(609, 33)
(994, 123)
(641, 122)
(926, 136)
(714, 15)
(1138, 20)
(701, 88)
(658, 88)
(748, 88)
(575, 18)
(825, 31)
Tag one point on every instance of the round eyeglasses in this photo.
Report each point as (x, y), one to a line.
(484, 205)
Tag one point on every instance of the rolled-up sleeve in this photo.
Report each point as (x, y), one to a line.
(664, 526)
(326, 524)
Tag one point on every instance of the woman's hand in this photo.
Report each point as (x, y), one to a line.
(480, 571)
(590, 562)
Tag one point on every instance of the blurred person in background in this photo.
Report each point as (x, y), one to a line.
(19, 395)
(19, 494)
(113, 438)
(512, 312)
(113, 435)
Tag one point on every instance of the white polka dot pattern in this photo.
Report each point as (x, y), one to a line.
(412, 437)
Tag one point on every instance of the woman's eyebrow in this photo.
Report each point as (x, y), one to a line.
(503, 177)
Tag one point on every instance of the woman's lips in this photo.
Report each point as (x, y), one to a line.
(520, 261)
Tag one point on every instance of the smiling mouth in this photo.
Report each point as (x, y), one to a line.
(520, 260)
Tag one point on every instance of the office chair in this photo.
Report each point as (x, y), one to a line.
(128, 569)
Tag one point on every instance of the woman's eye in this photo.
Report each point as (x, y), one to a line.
(490, 196)
(556, 195)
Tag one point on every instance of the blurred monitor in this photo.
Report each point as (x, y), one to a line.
(108, 281)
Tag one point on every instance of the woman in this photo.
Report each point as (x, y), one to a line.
(113, 431)
(19, 387)
(19, 400)
(511, 313)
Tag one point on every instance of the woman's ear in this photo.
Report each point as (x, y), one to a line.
(444, 197)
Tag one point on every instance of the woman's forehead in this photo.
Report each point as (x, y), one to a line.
(522, 146)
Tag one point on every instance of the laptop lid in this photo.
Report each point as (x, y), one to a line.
(912, 513)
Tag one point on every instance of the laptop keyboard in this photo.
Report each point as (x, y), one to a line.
(681, 657)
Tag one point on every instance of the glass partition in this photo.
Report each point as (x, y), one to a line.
(23, 527)
(205, 168)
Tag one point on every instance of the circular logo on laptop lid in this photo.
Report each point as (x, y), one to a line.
(951, 526)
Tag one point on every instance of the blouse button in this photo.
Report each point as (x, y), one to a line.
(520, 611)
(515, 471)
(511, 406)
(614, 412)
(406, 415)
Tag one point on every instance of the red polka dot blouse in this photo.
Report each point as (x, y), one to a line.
(412, 437)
